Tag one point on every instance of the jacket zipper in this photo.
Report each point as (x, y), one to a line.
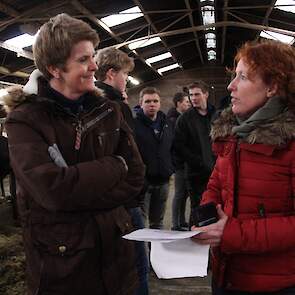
(80, 128)
(236, 183)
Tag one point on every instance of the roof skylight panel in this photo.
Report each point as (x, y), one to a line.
(288, 5)
(159, 57)
(277, 36)
(143, 43)
(122, 17)
(168, 68)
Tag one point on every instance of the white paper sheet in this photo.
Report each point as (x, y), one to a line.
(173, 253)
(148, 235)
(179, 259)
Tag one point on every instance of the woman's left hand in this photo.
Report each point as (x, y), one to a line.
(212, 233)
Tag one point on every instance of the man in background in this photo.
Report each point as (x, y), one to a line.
(181, 104)
(154, 135)
(113, 67)
(192, 142)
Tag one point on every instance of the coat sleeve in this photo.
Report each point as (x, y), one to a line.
(180, 143)
(99, 184)
(263, 235)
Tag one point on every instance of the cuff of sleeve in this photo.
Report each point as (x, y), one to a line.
(122, 160)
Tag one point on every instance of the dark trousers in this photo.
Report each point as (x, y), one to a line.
(142, 262)
(179, 200)
(196, 187)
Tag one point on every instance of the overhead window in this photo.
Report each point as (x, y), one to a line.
(210, 40)
(211, 55)
(143, 43)
(168, 68)
(122, 17)
(277, 36)
(22, 41)
(286, 5)
(159, 57)
(208, 14)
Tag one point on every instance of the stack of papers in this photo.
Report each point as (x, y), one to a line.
(173, 254)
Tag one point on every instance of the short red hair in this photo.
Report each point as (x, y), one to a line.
(274, 61)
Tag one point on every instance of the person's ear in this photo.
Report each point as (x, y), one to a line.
(110, 74)
(272, 90)
(54, 71)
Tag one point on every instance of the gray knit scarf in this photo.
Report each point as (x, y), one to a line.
(273, 107)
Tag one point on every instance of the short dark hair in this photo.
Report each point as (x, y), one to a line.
(179, 97)
(148, 90)
(199, 84)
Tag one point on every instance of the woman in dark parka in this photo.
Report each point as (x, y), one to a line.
(76, 166)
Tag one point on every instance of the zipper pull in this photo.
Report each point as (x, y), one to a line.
(261, 210)
(79, 129)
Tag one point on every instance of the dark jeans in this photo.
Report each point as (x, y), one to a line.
(196, 187)
(221, 291)
(142, 262)
(179, 200)
(155, 204)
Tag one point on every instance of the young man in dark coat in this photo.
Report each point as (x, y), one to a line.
(192, 142)
(181, 104)
(154, 135)
(113, 67)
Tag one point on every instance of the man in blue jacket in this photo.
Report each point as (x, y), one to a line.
(154, 135)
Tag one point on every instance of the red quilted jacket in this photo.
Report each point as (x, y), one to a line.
(255, 183)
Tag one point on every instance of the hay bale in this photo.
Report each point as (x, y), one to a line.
(12, 265)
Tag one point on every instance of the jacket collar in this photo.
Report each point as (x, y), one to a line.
(277, 131)
(16, 96)
(110, 92)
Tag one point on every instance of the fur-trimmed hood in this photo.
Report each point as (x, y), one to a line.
(277, 131)
(16, 95)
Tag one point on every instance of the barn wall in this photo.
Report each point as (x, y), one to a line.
(168, 85)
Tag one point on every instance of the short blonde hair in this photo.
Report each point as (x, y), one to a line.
(112, 58)
(56, 38)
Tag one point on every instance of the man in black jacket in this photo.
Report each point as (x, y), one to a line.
(181, 104)
(192, 142)
(113, 67)
(154, 135)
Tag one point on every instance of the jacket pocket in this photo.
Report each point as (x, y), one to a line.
(64, 251)
(61, 239)
(108, 140)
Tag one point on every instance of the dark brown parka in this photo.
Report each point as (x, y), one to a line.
(73, 217)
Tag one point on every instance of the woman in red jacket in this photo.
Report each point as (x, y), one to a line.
(253, 182)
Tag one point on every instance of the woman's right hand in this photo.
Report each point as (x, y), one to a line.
(211, 234)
